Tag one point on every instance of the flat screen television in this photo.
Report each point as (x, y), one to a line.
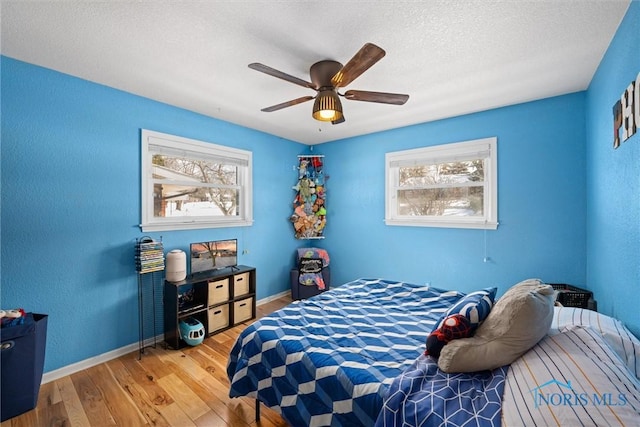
(213, 255)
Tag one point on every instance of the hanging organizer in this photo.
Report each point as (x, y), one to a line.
(309, 206)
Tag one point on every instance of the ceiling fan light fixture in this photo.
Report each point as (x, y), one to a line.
(327, 106)
(327, 77)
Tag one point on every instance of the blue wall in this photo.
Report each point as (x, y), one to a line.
(71, 205)
(541, 203)
(71, 201)
(613, 182)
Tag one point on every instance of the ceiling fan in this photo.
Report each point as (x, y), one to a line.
(326, 77)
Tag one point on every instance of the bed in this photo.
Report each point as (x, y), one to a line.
(354, 356)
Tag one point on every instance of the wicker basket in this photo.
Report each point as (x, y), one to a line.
(571, 296)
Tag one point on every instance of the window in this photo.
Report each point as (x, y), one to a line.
(188, 184)
(450, 185)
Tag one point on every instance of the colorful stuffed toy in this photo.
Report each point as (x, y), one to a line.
(303, 168)
(12, 317)
(453, 327)
(309, 216)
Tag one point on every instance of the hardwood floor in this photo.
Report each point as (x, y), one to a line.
(188, 387)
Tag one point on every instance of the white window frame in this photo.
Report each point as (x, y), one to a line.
(153, 141)
(485, 148)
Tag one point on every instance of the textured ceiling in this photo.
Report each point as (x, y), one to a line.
(451, 57)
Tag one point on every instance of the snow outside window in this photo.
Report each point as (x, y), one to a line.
(451, 185)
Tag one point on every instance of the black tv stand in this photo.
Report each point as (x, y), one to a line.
(219, 299)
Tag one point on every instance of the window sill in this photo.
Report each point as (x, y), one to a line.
(482, 225)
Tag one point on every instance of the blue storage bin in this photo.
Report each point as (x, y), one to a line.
(312, 269)
(22, 361)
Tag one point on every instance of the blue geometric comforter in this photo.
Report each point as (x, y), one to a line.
(426, 396)
(329, 360)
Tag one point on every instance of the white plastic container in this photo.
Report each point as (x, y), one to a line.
(176, 268)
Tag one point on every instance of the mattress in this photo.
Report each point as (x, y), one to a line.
(329, 360)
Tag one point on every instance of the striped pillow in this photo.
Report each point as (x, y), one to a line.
(571, 379)
(474, 306)
(613, 331)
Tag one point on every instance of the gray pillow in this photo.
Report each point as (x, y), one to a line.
(518, 320)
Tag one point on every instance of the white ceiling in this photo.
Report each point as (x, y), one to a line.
(451, 57)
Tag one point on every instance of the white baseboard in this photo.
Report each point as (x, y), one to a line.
(272, 297)
(96, 360)
(114, 354)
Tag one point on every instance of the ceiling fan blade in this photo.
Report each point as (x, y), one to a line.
(279, 74)
(381, 97)
(287, 104)
(368, 55)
